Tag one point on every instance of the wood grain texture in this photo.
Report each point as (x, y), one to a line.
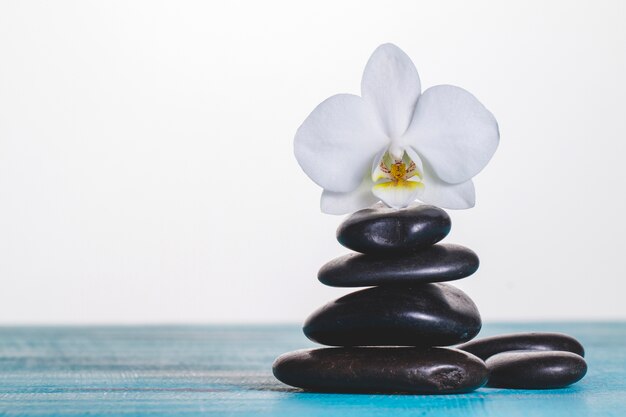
(226, 370)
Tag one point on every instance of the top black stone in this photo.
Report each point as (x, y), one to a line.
(380, 229)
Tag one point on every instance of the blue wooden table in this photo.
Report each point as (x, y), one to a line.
(226, 370)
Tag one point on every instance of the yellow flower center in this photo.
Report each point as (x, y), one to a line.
(398, 170)
(397, 181)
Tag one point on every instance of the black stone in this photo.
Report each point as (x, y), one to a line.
(535, 370)
(380, 229)
(420, 315)
(437, 263)
(380, 369)
(489, 346)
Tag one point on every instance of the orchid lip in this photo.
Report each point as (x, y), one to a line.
(398, 181)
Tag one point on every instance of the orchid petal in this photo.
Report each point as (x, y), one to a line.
(398, 194)
(336, 143)
(343, 203)
(391, 83)
(445, 195)
(454, 132)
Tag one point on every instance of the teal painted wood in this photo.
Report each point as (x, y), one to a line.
(226, 370)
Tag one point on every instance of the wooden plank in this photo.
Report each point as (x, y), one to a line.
(226, 370)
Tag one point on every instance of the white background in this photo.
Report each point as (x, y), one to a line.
(147, 174)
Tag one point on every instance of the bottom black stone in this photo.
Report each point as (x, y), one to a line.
(382, 369)
(535, 370)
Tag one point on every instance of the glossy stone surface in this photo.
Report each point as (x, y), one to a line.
(380, 369)
(535, 370)
(489, 346)
(381, 230)
(420, 315)
(437, 263)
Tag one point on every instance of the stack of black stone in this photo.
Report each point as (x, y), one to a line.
(394, 336)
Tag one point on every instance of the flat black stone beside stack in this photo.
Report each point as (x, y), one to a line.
(394, 336)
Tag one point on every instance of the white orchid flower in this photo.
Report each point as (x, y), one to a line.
(395, 144)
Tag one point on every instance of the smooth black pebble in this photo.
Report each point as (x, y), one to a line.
(489, 346)
(420, 315)
(380, 369)
(437, 263)
(535, 370)
(380, 229)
